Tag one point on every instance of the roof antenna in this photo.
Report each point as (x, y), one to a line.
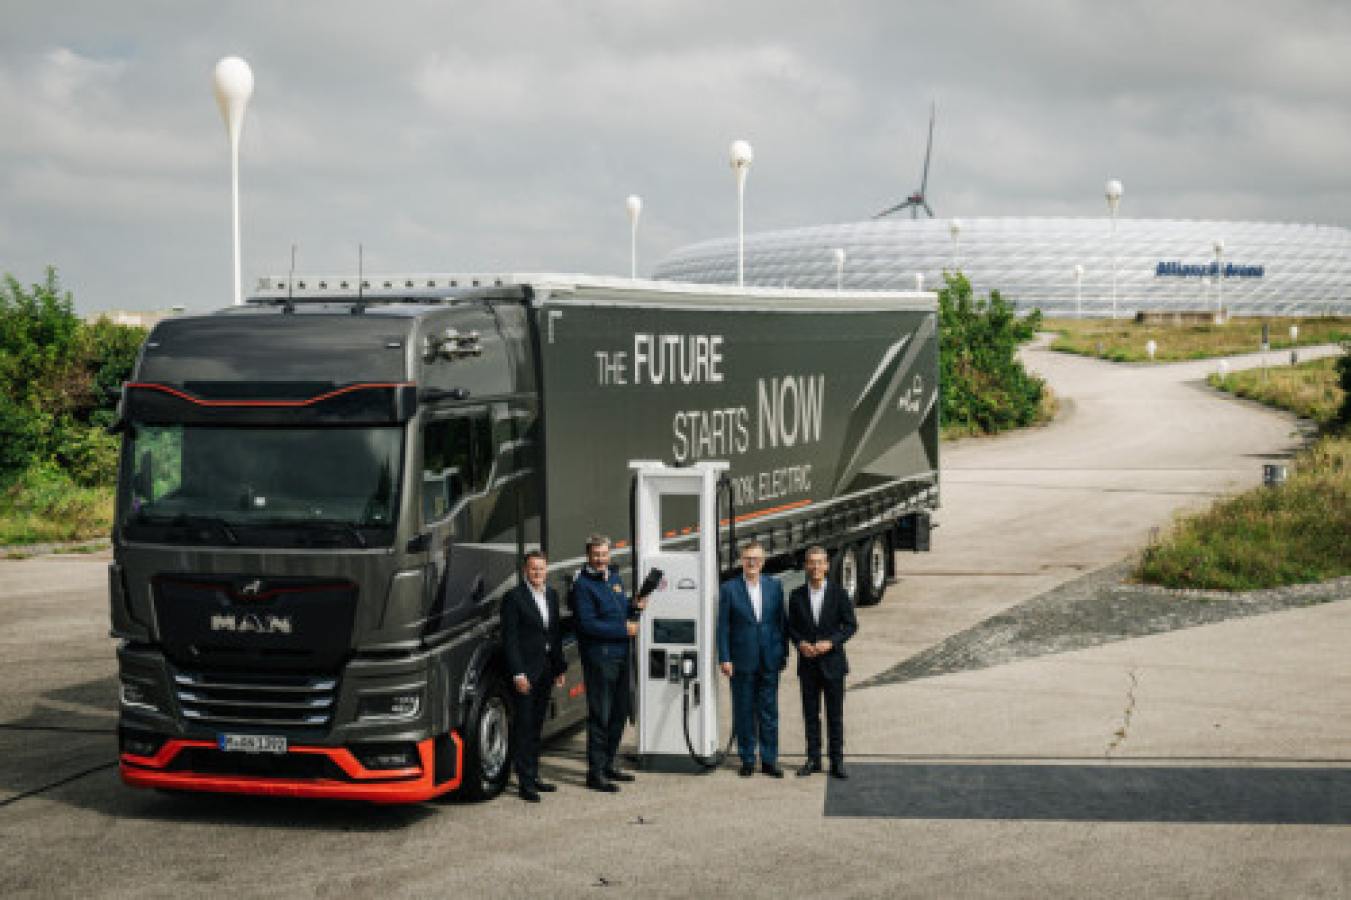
(291, 284)
(290, 306)
(360, 306)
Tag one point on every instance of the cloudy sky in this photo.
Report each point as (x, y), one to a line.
(453, 136)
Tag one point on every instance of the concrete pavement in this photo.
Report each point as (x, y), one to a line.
(1022, 514)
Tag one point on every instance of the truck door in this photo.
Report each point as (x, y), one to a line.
(457, 463)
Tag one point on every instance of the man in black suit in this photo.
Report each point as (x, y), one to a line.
(820, 620)
(532, 639)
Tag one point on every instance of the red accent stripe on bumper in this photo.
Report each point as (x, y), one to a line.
(374, 785)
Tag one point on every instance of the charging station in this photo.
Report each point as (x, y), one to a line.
(677, 649)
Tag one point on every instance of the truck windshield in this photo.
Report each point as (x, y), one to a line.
(299, 487)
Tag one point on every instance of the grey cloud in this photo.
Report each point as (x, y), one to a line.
(506, 135)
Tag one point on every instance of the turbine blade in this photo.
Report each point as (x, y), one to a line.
(924, 182)
(928, 210)
(890, 210)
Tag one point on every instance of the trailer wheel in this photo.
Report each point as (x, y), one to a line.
(487, 750)
(873, 575)
(846, 571)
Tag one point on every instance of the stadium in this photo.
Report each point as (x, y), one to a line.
(1161, 264)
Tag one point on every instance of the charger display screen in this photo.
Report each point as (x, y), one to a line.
(673, 631)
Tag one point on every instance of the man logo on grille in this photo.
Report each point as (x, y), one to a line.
(252, 589)
(250, 623)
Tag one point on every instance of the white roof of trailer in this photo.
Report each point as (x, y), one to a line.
(585, 290)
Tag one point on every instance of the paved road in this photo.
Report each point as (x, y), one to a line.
(1022, 514)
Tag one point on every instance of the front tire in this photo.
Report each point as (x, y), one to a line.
(487, 744)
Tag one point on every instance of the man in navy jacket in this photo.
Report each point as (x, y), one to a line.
(605, 622)
(753, 649)
(820, 620)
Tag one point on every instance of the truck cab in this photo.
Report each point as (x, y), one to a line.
(319, 506)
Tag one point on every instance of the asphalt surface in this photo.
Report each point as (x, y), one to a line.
(1229, 702)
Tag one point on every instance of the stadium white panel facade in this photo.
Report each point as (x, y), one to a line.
(1161, 264)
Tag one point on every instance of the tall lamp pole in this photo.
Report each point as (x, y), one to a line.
(839, 268)
(634, 204)
(1113, 201)
(742, 155)
(234, 86)
(1078, 291)
(955, 229)
(1219, 279)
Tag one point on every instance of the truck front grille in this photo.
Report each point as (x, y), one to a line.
(235, 698)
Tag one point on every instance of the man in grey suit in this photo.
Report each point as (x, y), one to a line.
(753, 649)
(820, 620)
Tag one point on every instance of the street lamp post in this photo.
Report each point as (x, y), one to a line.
(1113, 201)
(839, 268)
(955, 229)
(1219, 280)
(234, 86)
(634, 204)
(742, 156)
(1078, 291)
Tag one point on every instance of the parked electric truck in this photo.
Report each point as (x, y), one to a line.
(325, 492)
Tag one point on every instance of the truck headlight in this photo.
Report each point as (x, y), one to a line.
(393, 705)
(135, 695)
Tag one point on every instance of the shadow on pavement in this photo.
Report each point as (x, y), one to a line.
(1095, 793)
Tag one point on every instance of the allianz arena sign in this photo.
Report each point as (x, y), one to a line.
(1207, 270)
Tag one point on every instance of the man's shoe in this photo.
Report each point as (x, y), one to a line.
(600, 784)
(772, 770)
(616, 775)
(529, 795)
(837, 771)
(545, 787)
(810, 766)
(746, 770)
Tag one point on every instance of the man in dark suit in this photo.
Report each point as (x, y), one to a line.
(752, 650)
(820, 620)
(532, 640)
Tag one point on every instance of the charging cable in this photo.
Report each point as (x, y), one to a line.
(713, 762)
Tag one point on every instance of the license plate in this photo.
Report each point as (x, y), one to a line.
(252, 743)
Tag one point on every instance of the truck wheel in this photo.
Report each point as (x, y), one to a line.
(487, 746)
(846, 571)
(873, 576)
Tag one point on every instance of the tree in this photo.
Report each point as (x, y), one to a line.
(59, 382)
(985, 387)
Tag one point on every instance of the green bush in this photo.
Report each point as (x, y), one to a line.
(59, 383)
(44, 504)
(985, 387)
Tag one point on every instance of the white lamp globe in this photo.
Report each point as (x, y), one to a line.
(234, 86)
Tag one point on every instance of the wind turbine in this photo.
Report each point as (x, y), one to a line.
(919, 198)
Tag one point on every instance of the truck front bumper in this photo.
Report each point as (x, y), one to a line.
(340, 775)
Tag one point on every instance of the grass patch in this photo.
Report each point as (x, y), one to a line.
(74, 549)
(1309, 389)
(1124, 341)
(1267, 537)
(43, 505)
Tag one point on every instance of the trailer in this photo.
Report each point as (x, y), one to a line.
(324, 494)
